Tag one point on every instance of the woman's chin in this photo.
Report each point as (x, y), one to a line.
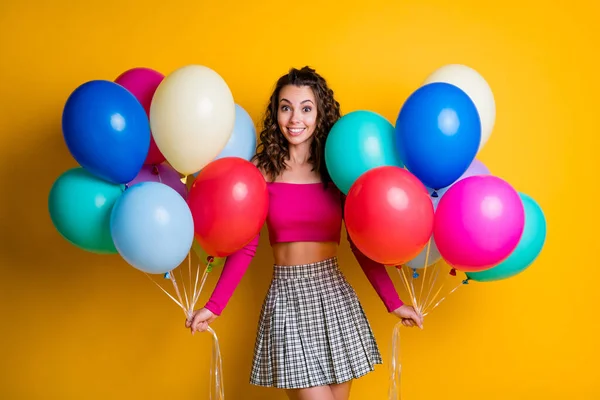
(297, 139)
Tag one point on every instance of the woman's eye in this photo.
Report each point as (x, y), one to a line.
(307, 109)
(285, 108)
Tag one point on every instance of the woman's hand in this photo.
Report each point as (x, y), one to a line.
(199, 320)
(409, 316)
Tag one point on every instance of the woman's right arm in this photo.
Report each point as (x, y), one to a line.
(234, 268)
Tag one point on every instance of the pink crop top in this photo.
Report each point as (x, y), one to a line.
(301, 212)
(304, 212)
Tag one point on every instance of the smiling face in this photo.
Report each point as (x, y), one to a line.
(297, 113)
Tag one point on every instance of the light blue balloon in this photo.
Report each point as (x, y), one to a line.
(529, 247)
(242, 142)
(152, 227)
(357, 143)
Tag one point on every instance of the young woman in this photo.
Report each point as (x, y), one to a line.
(313, 336)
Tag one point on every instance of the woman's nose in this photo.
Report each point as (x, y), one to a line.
(296, 116)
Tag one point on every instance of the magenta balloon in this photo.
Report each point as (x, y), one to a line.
(478, 223)
(162, 173)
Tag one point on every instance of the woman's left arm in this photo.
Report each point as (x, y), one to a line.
(376, 273)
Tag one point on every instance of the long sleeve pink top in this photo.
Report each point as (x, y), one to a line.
(301, 212)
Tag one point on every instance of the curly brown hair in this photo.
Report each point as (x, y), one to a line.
(272, 150)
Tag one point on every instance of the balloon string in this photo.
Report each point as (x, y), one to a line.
(190, 276)
(168, 294)
(409, 287)
(176, 287)
(202, 282)
(394, 391)
(217, 389)
(444, 297)
(425, 268)
(435, 296)
(185, 292)
(435, 275)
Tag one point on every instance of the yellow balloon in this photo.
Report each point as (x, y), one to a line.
(203, 256)
(192, 116)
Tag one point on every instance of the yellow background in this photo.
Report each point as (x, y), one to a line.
(80, 326)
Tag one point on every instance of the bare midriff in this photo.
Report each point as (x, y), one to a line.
(299, 253)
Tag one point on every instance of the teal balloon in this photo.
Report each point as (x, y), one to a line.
(529, 247)
(357, 143)
(80, 205)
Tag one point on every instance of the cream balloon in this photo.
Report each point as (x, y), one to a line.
(476, 87)
(192, 116)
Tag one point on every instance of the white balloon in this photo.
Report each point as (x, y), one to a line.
(192, 116)
(476, 87)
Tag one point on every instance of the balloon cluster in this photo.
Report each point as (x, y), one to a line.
(136, 140)
(416, 191)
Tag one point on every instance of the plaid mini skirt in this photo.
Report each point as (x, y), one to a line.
(312, 330)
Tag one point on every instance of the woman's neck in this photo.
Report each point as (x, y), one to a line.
(299, 154)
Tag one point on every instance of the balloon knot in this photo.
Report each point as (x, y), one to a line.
(155, 169)
(453, 272)
(167, 275)
(415, 274)
(210, 259)
(466, 281)
(434, 194)
(126, 186)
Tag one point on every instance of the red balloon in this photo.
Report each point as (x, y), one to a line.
(389, 215)
(229, 201)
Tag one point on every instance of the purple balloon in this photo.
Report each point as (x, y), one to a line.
(476, 168)
(162, 173)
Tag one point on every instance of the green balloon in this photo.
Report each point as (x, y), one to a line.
(529, 247)
(357, 143)
(80, 205)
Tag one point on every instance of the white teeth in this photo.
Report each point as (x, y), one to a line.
(295, 130)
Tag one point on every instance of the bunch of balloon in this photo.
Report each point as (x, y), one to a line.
(483, 227)
(135, 138)
(418, 198)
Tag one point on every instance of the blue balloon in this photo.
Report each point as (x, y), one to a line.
(437, 134)
(152, 227)
(106, 129)
(242, 142)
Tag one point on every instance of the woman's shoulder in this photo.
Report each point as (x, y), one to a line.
(260, 168)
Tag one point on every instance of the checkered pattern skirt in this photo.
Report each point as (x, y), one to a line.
(312, 330)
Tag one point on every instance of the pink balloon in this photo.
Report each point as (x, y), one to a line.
(162, 173)
(478, 223)
(142, 83)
